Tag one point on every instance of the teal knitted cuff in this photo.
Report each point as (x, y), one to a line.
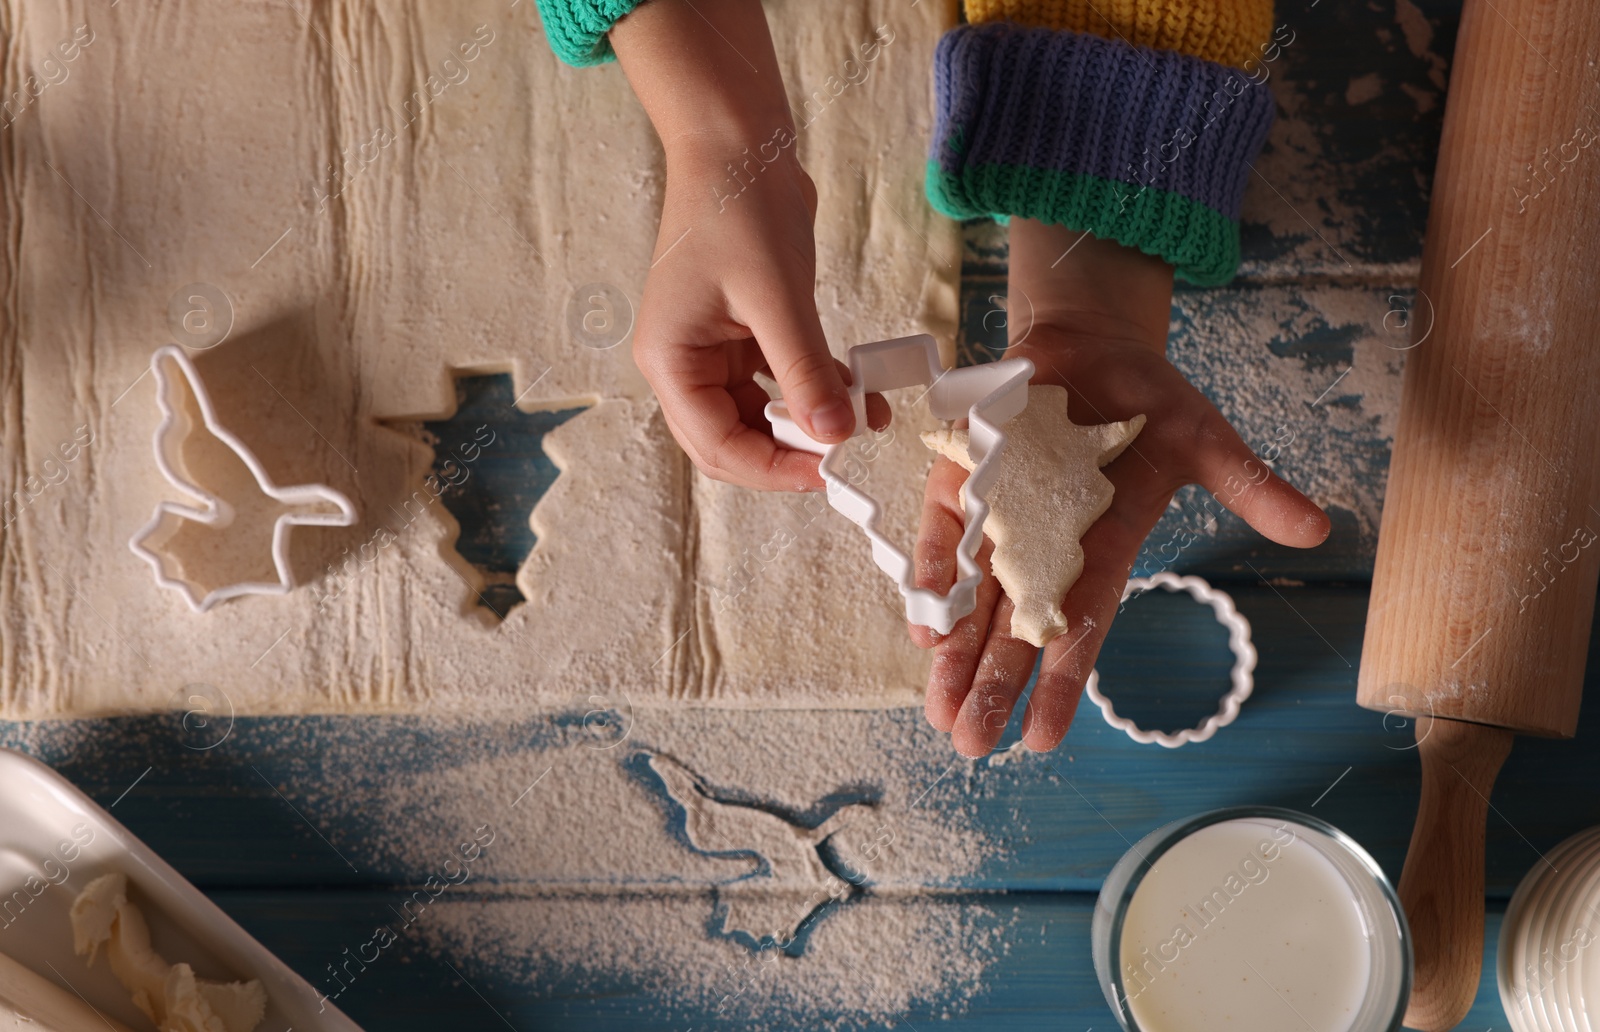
(1201, 244)
(577, 29)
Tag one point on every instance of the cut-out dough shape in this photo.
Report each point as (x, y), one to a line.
(796, 881)
(1048, 492)
(984, 395)
(176, 424)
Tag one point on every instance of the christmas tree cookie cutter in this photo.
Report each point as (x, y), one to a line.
(212, 510)
(985, 395)
(1244, 664)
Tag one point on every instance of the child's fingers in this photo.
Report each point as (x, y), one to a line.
(744, 360)
(1109, 548)
(797, 353)
(878, 411)
(751, 399)
(1067, 662)
(934, 556)
(1002, 674)
(956, 657)
(707, 422)
(1242, 482)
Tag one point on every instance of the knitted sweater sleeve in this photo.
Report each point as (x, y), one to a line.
(577, 29)
(1134, 120)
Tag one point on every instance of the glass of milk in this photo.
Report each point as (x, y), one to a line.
(1251, 918)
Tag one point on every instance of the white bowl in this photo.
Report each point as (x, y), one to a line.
(1552, 927)
(57, 836)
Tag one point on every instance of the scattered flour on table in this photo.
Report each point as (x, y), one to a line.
(1017, 750)
(1363, 88)
(1306, 190)
(1315, 372)
(870, 962)
(777, 902)
(591, 880)
(588, 882)
(1418, 31)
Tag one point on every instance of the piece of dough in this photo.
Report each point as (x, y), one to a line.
(169, 994)
(384, 193)
(1049, 491)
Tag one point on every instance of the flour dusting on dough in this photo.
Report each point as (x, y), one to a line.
(359, 298)
(1049, 491)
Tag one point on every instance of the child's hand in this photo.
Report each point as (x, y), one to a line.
(734, 296)
(1099, 329)
(731, 291)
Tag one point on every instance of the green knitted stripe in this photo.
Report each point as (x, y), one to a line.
(1201, 244)
(576, 29)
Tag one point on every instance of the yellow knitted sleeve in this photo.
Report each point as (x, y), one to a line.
(1229, 32)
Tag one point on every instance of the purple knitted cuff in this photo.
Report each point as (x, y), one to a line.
(1148, 147)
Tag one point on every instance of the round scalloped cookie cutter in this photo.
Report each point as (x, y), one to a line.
(1244, 664)
(986, 395)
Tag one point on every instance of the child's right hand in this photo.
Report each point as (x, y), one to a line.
(731, 294)
(732, 281)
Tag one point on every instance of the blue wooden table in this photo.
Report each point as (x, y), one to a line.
(1339, 206)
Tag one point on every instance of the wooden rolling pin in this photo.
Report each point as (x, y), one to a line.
(1484, 587)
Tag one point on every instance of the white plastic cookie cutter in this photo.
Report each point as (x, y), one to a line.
(1244, 664)
(985, 395)
(215, 511)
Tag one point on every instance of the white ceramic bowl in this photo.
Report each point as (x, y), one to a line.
(54, 840)
(1549, 955)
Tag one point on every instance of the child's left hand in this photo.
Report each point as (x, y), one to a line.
(1107, 347)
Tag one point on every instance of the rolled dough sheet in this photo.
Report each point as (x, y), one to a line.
(386, 194)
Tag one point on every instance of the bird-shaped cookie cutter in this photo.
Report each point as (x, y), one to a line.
(214, 511)
(985, 395)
